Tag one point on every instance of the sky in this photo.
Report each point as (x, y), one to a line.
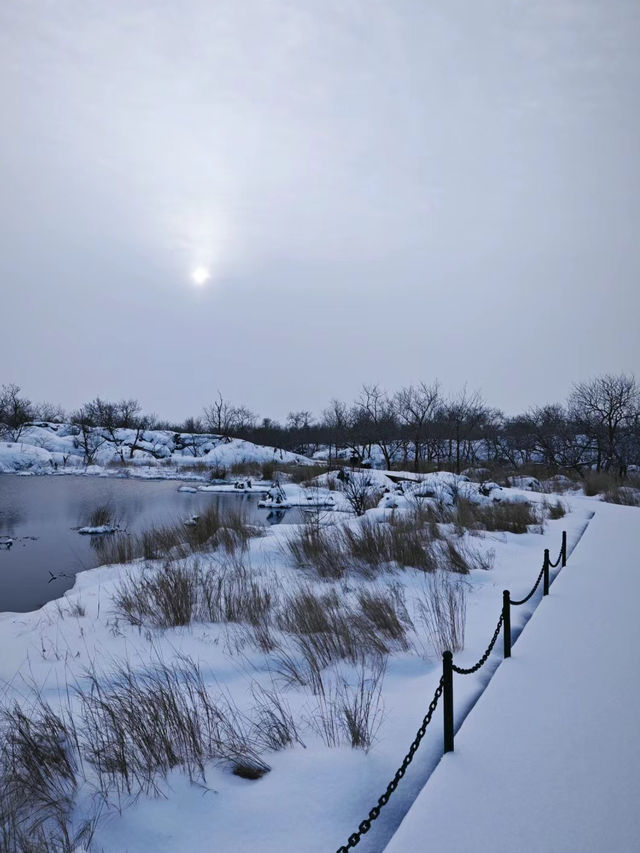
(378, 191)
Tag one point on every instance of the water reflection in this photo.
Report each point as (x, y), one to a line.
(41, 515)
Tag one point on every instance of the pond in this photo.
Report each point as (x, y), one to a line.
(40, 514)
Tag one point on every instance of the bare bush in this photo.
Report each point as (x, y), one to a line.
(361, 492)
(442, 609)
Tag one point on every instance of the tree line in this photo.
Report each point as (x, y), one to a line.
(418, 427)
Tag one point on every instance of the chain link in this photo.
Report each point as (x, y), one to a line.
(365, 826)
(557, 562)
(535, 587)
(462, 671)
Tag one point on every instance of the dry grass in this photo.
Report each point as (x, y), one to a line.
(622, 495)
(350, 711)
(507, 516)
(556, 510)
(101, 516)
(38, 770)
(314, 546)
(275, 723)
(597, 482)
(387, 612)
(404, 540)
(181, 592)
(442, 609)
(143, 724)
(212, 529)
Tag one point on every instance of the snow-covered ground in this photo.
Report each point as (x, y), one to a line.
(50, 448)
(549, 759)
(314, 796)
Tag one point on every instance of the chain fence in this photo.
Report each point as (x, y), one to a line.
(365, 825)
(445, 686)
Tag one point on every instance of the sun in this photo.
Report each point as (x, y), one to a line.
(200, 276)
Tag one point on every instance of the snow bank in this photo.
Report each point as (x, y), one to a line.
(57, 448)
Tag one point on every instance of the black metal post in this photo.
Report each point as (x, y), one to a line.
(545, 567)
(506, 614)
(447, 699)
(564, 547)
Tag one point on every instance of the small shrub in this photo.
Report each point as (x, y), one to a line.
(361, 492)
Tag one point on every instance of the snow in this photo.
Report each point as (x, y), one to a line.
(549, 758)
(314, 796)
(98, 530)
(57, 448)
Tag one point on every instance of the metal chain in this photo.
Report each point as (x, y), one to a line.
(462, 671)
(557, 562)
(535, 587)
(365, 826)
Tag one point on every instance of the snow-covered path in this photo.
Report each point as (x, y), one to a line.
(548, 761)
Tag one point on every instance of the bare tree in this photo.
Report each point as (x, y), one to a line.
(417, 407)
(555, 438)
(225, 419)
(90, 436)
(464, 414)
(49, 412)
(604, 407)
(335, 421)
(15, 412)
(378, 412)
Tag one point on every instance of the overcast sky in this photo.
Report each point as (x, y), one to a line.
(382, 192)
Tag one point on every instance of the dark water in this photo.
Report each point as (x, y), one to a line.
(39, 513)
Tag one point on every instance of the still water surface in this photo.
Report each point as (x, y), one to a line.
(40, 514)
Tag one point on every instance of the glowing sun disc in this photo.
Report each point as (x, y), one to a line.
(200, 275)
